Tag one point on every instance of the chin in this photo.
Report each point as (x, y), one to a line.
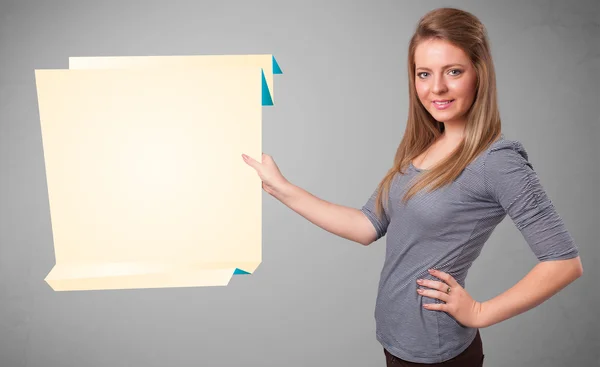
(443, 116)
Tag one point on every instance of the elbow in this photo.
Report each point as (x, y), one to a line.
(579, 267)
(571, 268)
(364, 241)
(576, 267)
(367, 240)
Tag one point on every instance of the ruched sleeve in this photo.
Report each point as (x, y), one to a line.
(512, 182)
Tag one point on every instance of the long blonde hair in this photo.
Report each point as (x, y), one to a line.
(483, 127)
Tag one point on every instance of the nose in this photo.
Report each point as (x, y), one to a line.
(439, 85)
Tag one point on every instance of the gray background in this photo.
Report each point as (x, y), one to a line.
(340, 111)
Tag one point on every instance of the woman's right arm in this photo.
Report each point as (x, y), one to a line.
(343, 221)
(346, 222)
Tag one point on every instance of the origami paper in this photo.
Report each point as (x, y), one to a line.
(267, 62)
(145, 179)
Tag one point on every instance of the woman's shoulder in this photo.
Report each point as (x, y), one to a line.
(506, 165)
(505, 151)
(504, 145)
(501, 152)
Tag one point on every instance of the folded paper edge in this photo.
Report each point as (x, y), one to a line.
(267, 95)
(144, 276)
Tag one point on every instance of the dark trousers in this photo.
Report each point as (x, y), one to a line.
(471, 357)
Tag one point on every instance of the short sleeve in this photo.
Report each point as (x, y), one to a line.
(380, 224)
(512, 182)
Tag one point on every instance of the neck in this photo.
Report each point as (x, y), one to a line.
(453, 132)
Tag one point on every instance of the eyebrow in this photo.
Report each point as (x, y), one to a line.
(444, 67)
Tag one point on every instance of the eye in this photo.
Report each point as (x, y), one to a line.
(419, 74)
(456, 70)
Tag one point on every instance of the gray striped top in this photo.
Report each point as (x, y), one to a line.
(446, 230)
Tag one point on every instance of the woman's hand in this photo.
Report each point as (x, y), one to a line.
(273, 181)
(458, 302)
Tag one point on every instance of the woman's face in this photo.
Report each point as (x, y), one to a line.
(444, 73)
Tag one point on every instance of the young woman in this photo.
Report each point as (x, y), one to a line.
(454, 179)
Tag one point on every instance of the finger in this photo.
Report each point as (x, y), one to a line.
(445, 277)
(433, 284)
(252, 162)
(436, 306)
(434, 294)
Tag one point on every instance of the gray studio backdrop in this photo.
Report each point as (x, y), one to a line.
(340, 111)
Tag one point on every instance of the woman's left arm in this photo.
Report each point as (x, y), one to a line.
(510, 181)
(545, 280)
(516, 187)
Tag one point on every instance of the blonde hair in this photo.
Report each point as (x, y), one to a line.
(483, 127)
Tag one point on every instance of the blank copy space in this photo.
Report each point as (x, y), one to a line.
(146, 183)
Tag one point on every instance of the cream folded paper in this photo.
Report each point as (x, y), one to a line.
(145, 179)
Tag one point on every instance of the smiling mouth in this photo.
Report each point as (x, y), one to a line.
(443, 103)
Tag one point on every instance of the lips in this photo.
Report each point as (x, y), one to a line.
(443, 104)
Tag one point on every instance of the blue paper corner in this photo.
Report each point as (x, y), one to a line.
(266, 94)
(276, 68)
(239, 271)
